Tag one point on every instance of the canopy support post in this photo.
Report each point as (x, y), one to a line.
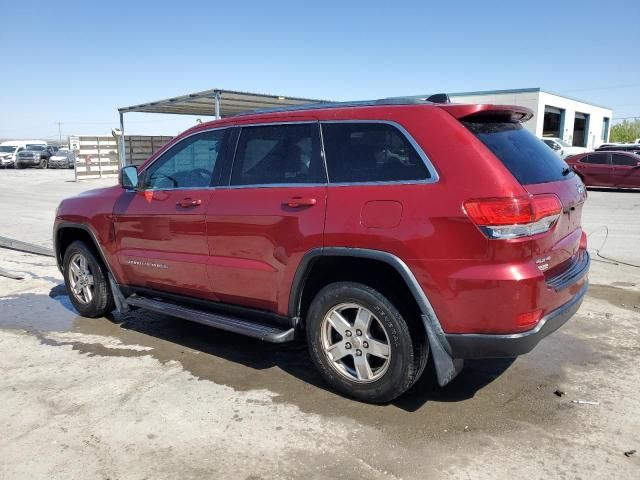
(123, 157)
(216, 96)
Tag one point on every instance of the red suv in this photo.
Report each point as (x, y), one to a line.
(388, 232)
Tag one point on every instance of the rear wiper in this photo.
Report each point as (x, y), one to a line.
(566, 171)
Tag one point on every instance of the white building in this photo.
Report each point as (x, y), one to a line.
(576, 122)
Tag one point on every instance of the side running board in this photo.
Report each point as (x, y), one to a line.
(261, 331)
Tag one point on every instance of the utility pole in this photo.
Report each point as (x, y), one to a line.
(59, 131)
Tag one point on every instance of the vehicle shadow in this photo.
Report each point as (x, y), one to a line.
(291, 358)
(607, 189)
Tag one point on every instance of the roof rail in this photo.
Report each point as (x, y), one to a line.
(436, 98)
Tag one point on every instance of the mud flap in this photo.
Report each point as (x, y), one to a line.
(447, 368)
(121, 304)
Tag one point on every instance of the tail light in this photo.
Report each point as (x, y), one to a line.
(515, 217)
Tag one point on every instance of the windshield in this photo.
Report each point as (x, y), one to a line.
(37, 148)
(7, 149)
(526, 157)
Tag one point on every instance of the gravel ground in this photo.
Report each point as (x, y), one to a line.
(147, 396)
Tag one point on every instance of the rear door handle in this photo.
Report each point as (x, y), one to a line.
(297, 202)
(189, 203)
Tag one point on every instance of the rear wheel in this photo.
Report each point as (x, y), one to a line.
(86, 281)
(361, 344)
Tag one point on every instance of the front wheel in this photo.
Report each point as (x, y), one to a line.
(86, 281)
(43, 164)
(360, 343)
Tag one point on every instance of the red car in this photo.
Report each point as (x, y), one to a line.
(607, 169)
(382, 231)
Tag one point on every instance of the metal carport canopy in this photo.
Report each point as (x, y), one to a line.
(215, 102)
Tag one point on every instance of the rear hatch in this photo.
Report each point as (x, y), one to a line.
(553, 246)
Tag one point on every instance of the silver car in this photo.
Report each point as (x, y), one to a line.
(63, 159)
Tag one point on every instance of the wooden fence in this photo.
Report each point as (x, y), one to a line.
(97, 156)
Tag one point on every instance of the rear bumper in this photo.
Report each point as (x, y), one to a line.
(468, 346)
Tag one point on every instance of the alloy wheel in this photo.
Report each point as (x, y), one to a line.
(356, 343)
(81, 279)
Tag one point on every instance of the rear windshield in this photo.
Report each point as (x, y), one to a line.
(527, 158)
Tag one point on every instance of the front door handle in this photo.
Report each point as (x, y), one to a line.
(189, 203)
(297, 202)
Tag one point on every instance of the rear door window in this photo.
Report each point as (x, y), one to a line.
(623, 160)
(278, 154)
(524, 155)
(596, 159)
(370, 152)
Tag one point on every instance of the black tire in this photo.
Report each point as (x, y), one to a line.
(101, 302)
(407, 357)
(43, 164)
(18, 166)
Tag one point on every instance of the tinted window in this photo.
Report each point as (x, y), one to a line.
(188, 164)
(596, 158)
(278, 154)
(618, 159)
(370, 152)
(526, 157)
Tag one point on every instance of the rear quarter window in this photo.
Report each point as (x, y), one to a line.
(527, 158)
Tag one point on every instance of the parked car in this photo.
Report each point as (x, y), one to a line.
(10, 149)
(562, 148)
(607, 169)
(63, 158)
(34, 156)
(332, 222)
(619, 147)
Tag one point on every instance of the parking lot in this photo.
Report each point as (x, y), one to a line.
(143, 395)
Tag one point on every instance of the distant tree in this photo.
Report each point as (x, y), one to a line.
(625, 132)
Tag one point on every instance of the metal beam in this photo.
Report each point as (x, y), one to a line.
(216, 96)
(122, 154)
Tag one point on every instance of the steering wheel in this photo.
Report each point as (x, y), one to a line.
(202, 172)
(160, 174)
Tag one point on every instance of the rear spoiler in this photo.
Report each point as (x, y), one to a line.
(489, 113)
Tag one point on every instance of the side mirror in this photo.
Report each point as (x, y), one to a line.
(129, 177)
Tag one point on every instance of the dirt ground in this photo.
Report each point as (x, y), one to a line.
(147, 396)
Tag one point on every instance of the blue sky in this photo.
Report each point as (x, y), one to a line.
(76, 62)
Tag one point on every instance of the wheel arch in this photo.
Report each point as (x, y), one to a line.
(67, 233)
(312, 264)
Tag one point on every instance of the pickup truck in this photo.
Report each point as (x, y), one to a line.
(35, 156)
